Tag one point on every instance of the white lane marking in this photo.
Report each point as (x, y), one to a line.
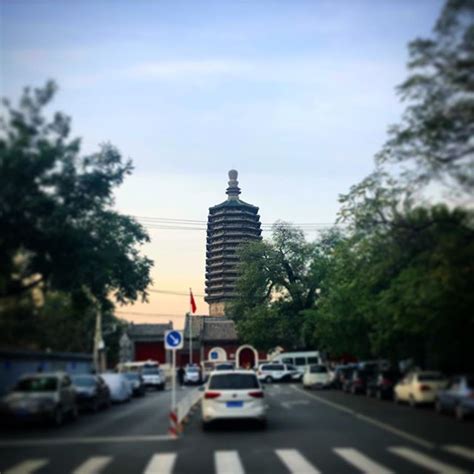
(460, 451)
(361, 462)
(93, 465)
(26, 442)
(372, 421)
(296, 462)
(228, 462)
(27, 467)
(425, 461)
(162, 463)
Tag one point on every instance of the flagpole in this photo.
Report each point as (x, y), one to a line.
(190, 330)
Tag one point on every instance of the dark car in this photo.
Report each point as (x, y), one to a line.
(92, 393)
(137, 383)
(458, 397)
(381, 384)
(357, 382)
(345, 378)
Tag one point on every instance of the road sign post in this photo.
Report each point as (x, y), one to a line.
(173, 341)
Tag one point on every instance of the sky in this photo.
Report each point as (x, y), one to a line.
(296, 95)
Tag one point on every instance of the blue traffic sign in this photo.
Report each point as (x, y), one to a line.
(214, 355)
(174, 339)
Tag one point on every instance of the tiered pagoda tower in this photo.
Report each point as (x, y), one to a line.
(229, 224)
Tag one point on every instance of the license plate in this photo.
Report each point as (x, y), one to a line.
(234, 404)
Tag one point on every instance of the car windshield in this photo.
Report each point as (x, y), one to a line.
(192, 369)
(224, 367)
(150, 371)
(318, 369)
(233, 382)
(83, 381)
(37, 384)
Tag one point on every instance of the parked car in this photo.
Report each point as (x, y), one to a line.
(458, 397)
(120, 388)
(92, 393)
(357, 382)
(278, 373)
(381, 384)
(232, 395)
(49, 397)
(153, 377)
(137, 382)
(346, 378)
(192, 374)
(419, 387)
(316, 376)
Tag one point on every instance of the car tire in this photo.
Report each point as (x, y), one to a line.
(205, 425)
(74, 415)
(268, 379)
(459, 413)
(95, 406)
(58, 417)
(262, 424)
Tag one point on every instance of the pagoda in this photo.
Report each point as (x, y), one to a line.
(229, 224)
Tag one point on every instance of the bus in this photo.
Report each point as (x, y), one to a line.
(137, 366)
(300, 360)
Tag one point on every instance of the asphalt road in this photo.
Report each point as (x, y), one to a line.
(308, 432)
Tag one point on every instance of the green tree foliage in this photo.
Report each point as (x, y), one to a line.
(435, 136)
(405, 292)
(59, 229)
(279, 280)
(64, 251)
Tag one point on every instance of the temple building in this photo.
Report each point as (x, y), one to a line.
(229, 224)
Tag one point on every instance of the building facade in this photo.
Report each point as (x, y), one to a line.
(230, 224)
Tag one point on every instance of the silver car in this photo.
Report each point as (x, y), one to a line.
(47, 397)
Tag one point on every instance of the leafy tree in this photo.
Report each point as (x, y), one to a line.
(436, 133)
(278, 281)
(59, 229)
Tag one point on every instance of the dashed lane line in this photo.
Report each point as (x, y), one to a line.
(31, 442)
(425, 461)
(460, 451)
(296, 462)
(370, 420)
(361, 461)
(27, 467)
(93, 465)
(161, 463)
(227, 462)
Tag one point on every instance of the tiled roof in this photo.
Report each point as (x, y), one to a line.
(219, 330)
(148, 330)
(197, 322)
(233, 203)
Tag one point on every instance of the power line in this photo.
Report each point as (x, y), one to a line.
(151, 315)
(165, 292)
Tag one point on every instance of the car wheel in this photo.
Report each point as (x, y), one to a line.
(262, 424)
(205, 425)
(58, 416)
(95, 405)
(459, 413)
(74, 412)
(268, 379)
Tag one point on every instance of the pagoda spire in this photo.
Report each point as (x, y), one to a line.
(233, 190)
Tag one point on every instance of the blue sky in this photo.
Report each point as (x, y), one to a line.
(296, 95)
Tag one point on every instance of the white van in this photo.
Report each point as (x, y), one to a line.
(301, 360)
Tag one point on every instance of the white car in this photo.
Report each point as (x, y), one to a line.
(278, 373)
(120, 388)
(233, 394)
(192, 374)
(316, 376)
(153, 377)
(419, 387)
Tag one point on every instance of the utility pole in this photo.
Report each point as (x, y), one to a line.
(190, 339)
(99, 346)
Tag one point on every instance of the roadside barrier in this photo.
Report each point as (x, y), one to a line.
(180, 415)
(175, 426)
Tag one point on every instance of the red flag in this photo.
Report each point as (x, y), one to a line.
(191, 301)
